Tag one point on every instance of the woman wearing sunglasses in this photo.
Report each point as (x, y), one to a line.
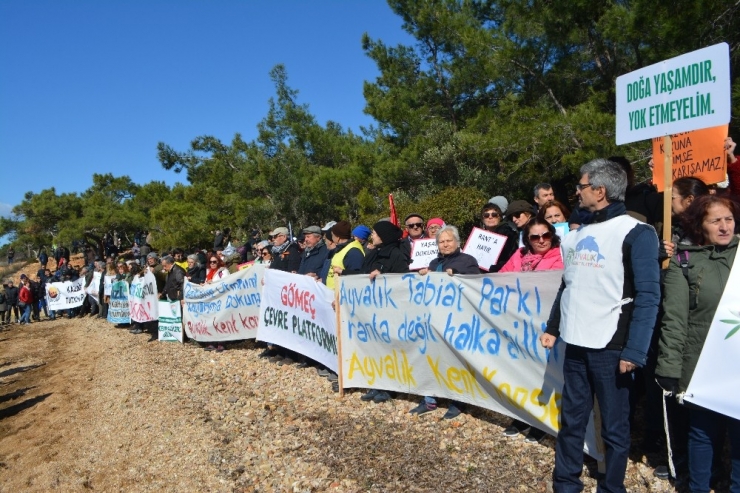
(540, 251)
(215, 269)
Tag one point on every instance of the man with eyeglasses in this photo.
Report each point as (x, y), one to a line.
(604, 311)
(285, 253)
(414, 225)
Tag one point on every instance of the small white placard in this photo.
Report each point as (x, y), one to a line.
(485, 246)
(423, 251)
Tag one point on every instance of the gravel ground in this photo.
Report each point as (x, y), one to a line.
(85, 406)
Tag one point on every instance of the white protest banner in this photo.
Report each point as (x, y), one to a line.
(468, 338)
(224, 310)
(118, 312)
(63, 295)
(296, 313)
(423, 251)
(170, 321)
(688, 92)
(93, 289)
(485, 246)
(143, 299)
(716, 377)
(108, 282)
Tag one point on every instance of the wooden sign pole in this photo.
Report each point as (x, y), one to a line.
(667, 191)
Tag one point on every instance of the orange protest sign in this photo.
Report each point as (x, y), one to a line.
(699, 153)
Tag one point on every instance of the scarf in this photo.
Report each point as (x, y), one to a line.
(278, 250)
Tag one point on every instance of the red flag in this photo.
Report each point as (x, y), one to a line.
(394, 216)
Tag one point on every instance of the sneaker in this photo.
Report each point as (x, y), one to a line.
(302, 364)
(323, 372)
(369, 396)
(335, 386)
(267, 353)
(332, 377)
(535, 435)
(423, 408)
(381, 396)
(285, 361)
(220, 348)
(209, 347)
(512, 431)
(274, 359)
(137, 331)
(452, 412)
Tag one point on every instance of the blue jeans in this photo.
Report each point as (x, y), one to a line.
(26, 316)
(589, 372)
(706, 430)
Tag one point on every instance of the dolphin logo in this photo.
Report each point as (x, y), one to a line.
(589, 243)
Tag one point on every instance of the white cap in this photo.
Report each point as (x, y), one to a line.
(328, 225)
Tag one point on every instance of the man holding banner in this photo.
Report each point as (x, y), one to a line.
(605, 311)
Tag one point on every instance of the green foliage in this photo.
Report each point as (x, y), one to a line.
(491, 98)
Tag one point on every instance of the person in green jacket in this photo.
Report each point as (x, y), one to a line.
(694, 284)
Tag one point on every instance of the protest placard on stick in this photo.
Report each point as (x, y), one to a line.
(170, 321)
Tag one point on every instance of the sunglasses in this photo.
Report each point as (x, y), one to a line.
(544, 236)
(213, 261)
(491, 214)
(415, 225)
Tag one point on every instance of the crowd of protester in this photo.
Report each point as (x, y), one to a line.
(704, 242)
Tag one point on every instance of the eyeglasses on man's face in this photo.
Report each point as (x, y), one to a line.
(415, 225)
(582, 186)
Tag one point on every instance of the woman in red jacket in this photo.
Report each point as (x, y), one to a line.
(25, 300)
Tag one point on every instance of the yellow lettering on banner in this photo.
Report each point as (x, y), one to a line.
(456, 376)
(529, 400)
(388, 367)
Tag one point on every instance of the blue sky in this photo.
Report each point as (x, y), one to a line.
(91, 87)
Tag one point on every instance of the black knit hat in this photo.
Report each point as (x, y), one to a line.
(387, 231)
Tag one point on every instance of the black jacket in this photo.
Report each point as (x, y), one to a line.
(459, 262)
(388, 259)
(288, 261)
(196, 274)
(509, 230)
(174, 283)
(11, 295)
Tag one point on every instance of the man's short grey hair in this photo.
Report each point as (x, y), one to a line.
(541, 186)
(604, 173)
(168, 259)
(193, 257)
(450, 229)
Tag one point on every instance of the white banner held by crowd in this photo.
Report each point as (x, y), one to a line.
(170, 321)
(485, 246)
(468, 338)
(224, 310)
(717, 372)
(423, 251)
(296, 313)
(64, 295)
(118, 312)
(143, 299)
